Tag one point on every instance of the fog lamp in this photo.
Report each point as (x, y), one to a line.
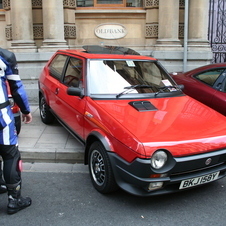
(159, 159)
(155, 185)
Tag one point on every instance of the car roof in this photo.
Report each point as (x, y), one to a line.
(209, 66)
(106, 52)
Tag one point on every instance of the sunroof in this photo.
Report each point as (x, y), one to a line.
(109, 50)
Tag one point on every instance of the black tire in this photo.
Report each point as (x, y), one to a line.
(100, 169)
(45, 114)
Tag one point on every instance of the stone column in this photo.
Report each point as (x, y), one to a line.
(198, 24)
(168, 24)
(151, 27)
(53, 25)
(22, 26)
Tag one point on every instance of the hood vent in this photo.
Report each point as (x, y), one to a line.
(143, 106)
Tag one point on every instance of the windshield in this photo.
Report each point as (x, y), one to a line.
(121, 77)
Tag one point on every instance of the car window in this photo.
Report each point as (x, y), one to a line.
(209, 77)
(112, 76)
(73, 74)
(56, 67)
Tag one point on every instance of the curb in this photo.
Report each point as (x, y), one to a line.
(55, 167)
(52, 155)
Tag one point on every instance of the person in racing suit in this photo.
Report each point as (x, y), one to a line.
(8, 135)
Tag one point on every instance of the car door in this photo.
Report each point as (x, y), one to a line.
(70, 109)
(213, 93)
(218, 102)
(52, 82)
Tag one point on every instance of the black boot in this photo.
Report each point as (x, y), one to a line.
(16, 201)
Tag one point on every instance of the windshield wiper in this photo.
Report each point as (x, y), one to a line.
(130, 88)
(161, 89)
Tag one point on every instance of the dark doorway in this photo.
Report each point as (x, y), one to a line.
(217, 30)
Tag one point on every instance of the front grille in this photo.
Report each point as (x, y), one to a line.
(196, 163)
(197, 170)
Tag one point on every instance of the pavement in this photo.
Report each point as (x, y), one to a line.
(48, 143)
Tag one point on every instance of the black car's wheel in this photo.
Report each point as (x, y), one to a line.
(45, 114)
(100, 169)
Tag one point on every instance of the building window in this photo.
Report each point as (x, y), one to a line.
(109, 3)
(0, 4)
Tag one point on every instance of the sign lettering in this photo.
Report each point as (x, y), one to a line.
(110, 31)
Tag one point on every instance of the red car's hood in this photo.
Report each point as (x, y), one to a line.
(179, 124)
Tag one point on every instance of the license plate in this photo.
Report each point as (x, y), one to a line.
(198, 180)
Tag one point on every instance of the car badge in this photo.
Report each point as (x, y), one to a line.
(208, 161)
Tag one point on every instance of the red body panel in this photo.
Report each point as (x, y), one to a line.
(174, 126)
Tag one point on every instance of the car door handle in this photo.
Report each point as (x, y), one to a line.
(57, 91)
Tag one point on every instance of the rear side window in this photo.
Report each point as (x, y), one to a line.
(209, 77)
(56, 67)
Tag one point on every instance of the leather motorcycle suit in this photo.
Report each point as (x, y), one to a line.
(8, 135)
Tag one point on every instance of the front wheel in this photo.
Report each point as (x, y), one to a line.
(100, 169)
(45, 114)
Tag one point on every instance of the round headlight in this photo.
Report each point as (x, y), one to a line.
(158, 159)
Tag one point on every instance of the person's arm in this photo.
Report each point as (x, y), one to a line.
(26, 118)
(16, 86)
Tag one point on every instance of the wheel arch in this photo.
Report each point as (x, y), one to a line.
(42, 93)
(96, 136)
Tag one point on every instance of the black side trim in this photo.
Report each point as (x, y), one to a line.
(68, 128)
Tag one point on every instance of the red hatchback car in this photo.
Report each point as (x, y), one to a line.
(140, 131)
(206, 84)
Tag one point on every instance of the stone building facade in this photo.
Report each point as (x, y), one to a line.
(35, 29)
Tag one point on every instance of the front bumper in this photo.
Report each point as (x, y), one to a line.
(135, 177)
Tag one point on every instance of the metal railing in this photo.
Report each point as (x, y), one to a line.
(217, 30)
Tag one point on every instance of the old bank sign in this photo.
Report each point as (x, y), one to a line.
(110, 31)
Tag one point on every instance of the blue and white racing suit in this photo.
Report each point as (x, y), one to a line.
(8, 135)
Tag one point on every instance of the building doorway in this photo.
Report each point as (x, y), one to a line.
(217, 30)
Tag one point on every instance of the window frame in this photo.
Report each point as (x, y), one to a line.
(92, 80)
(53, 70)
(67, 67)
(110, 6)
(220, 82)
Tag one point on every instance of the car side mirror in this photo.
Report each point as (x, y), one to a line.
(181, 86)
(75, 91)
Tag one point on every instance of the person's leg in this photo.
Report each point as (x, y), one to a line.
(12, 176)
(3, 188)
